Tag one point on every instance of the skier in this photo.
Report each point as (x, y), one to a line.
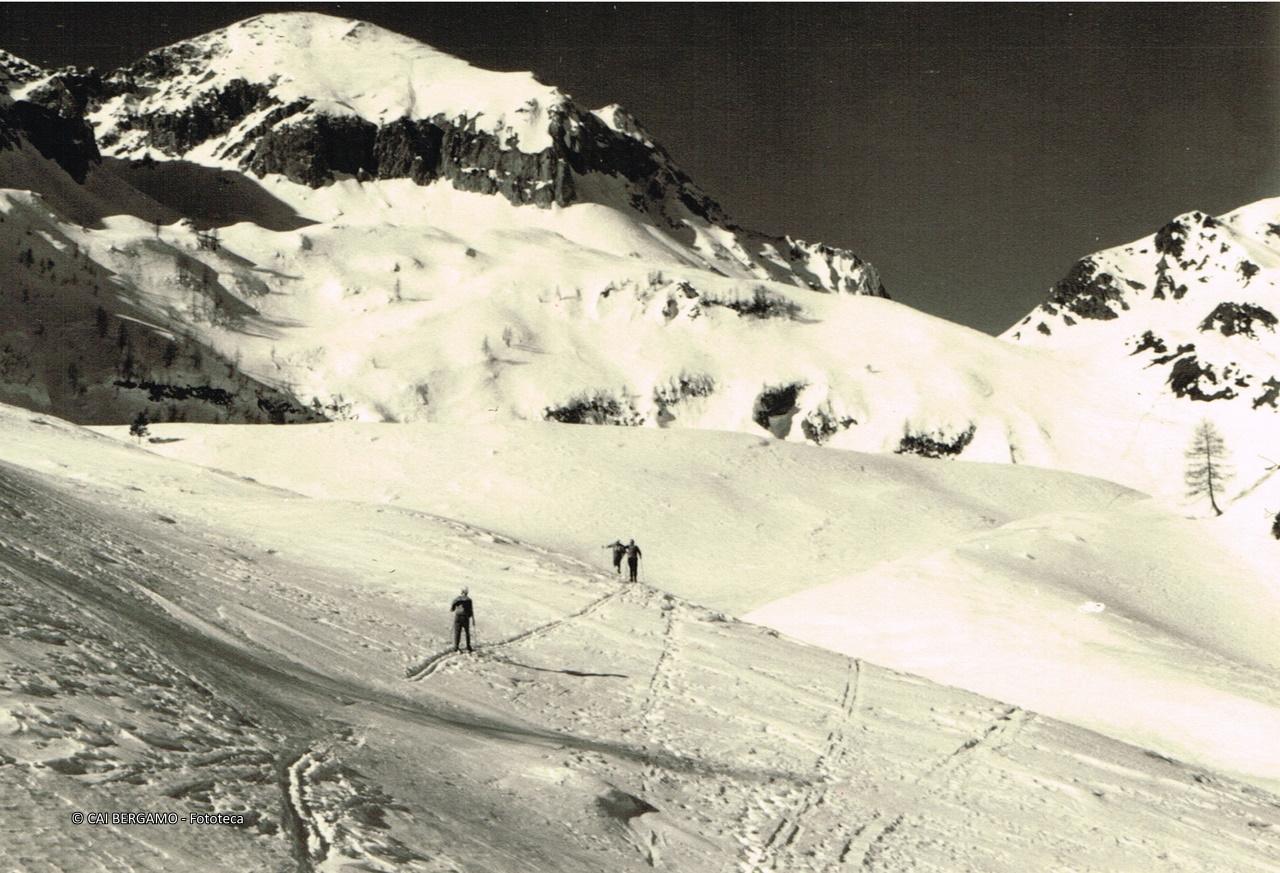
(463, 619)
(633, 558)
(618, 550)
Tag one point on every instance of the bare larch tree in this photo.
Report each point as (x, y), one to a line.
(1207, 470)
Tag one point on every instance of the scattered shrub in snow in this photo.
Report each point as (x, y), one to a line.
(763, 304)
(775, 406)
(157, 391)
(821, 424)
(596, 408)
(1233, 318)
(934, 445)
(1248, 269)
(681, 388)
(138, 429)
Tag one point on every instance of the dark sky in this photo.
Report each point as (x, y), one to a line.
(971, 152)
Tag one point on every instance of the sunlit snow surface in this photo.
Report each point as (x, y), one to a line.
(181, 639)
(348, 68)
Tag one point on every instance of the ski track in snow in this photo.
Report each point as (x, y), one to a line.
(870, 836)
(651, 719)
(99, 593)
(777, 850)
(426, 668)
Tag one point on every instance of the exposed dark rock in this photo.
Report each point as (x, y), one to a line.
(1238, 318)
(775, 406)
(623, 806)
(1248, 269)
(1043, 328)
(71, 92)
(68, 142)
(1181, 350)
(1185, 378)
(1087, 292)
(1150, 341)
(937, 445)
(312, 150)
(1171, 238)
(213, 114)
(1270, 396)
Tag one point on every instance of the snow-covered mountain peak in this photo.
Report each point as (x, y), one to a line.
(15, 72)
(337, 67)
(1178, 275)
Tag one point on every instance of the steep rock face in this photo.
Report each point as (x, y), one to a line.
(48, 117)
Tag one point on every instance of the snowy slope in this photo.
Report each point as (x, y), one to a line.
(294, 94)
(180, 640)
(405, 302)
(410, 295)
(1186, 318)
(1064, 595)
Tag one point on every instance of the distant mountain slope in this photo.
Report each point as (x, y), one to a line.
(300, 95)
(1194, 303)
(1187, 319)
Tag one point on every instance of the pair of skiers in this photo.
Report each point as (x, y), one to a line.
(632, 553)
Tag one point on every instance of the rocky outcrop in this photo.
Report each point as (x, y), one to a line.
(1088, 292)
(66, 141)
(1230, 319)
(1187, 376)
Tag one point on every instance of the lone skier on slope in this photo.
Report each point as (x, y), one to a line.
(463, 618)
(633, 558)
(618, 550)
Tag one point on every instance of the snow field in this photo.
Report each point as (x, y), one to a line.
(603, 726)
(984, 577)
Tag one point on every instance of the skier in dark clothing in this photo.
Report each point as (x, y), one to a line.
(618, 550)
(463, 618)
(633, 558)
